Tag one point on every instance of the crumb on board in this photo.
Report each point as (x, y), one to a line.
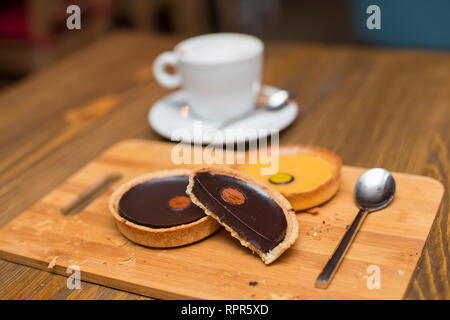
(316, 236)
(83, 261)
(253, 283)
(118, 241)
(52, 263)
(285, 296)
(42, 226)
(129, 261)
(401, 272)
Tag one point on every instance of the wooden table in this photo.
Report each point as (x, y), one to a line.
(374, 107)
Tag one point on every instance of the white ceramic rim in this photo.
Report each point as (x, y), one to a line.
(257, 41)
(161, 129)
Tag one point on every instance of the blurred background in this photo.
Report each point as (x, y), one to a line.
(33, 33)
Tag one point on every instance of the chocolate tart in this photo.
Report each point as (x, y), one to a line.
(153, 210)
(259, 217)
(307, 176)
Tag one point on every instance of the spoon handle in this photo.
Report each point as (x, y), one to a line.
(328, 272)
(246, 115)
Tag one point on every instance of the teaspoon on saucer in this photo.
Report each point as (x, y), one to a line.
(374, 190)
(274, 102)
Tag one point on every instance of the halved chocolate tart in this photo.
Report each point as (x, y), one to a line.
(154, 210)
(259, 217)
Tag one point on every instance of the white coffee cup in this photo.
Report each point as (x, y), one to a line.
(220, 73)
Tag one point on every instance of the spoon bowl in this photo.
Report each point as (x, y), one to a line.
(375, 189)
(278, 100)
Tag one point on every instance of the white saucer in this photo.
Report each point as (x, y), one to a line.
(167, 119)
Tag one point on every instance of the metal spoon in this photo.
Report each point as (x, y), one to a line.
(374, 190)
(274, 102)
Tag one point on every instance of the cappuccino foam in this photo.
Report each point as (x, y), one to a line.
(219, 48)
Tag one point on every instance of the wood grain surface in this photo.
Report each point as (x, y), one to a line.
(374, 107)
(391, 239)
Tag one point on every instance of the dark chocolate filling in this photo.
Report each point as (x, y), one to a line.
(159, 203)
(259, 219)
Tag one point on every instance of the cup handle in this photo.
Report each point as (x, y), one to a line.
(164, 78)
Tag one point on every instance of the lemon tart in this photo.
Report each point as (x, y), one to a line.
(307, 176)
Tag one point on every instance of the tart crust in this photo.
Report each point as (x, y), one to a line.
(289, 213)
(160, 237)
(323, 192)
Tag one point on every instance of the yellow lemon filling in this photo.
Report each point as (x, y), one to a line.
(298, 173)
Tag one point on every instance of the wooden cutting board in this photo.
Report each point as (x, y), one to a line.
(218, 267)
